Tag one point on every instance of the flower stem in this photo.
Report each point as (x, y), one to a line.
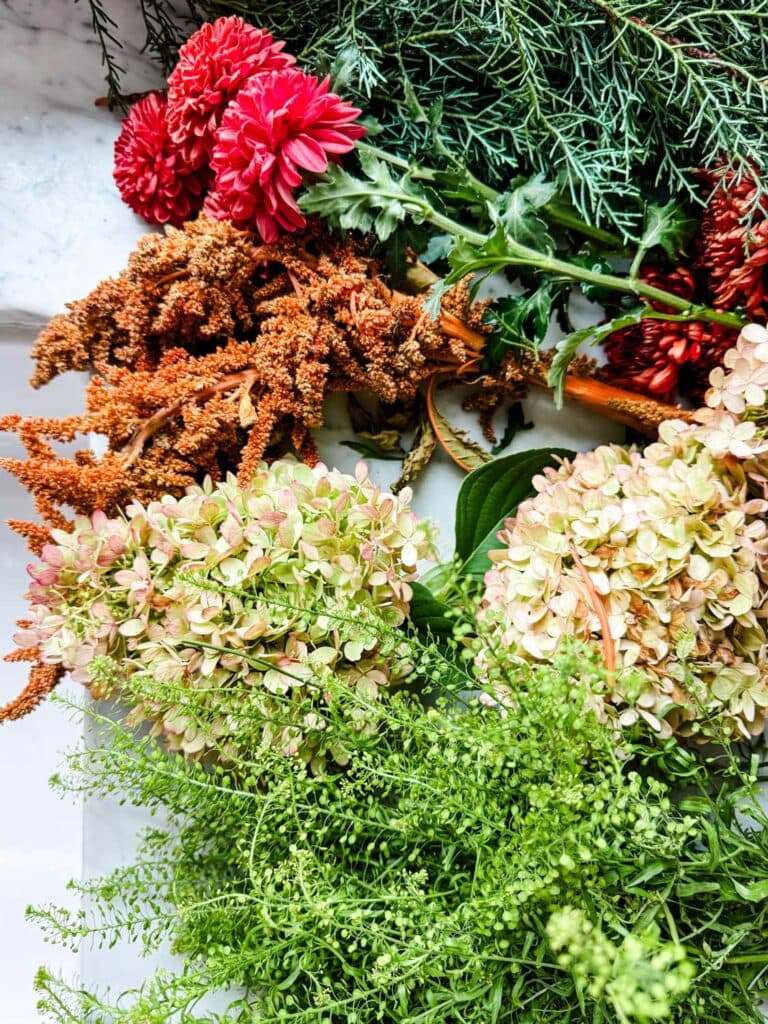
(556, 210)
(517, 254)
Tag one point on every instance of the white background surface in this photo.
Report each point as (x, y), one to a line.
(63, 228)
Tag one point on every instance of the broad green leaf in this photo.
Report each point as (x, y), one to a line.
(668, 226)
(428, 613)
(490, 495)
(566, 348)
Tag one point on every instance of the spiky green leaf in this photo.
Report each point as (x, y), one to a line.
(520, 321)
(669, 227)
(566, 349)
(518, 211)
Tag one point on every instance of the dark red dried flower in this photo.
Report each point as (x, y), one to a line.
(214, 64)
(733, 253)
(151, 174)
(660, 357)
(279, 124)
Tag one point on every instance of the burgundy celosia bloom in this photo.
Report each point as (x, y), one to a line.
(150, 172)
(660, 357)
(733, 254)
(278, 125)
(213, 66)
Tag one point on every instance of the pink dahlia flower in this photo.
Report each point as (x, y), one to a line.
(151, 174)
(213, 66)
(279, 124)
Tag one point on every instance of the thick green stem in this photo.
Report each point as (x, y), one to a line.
(565, 216)
(556, 211)
(523, 256)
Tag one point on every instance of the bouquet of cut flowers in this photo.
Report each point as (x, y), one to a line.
(522, 784)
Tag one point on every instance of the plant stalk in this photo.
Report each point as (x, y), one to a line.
(557, 211)
(639, 412)
(521, 255)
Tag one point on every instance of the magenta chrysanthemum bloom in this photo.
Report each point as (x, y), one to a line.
(150, 172)
(213, 66)
(280, 124)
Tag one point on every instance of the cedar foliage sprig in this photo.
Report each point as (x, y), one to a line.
(467, 867)
(611, 96)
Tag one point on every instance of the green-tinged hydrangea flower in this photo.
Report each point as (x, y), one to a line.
(659, 559)
(172, 593)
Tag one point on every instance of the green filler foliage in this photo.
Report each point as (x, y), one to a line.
(472, 865)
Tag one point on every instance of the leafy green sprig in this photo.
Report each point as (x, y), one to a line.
(427, 881)
(518, 235)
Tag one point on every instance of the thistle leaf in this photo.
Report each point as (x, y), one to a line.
(594, 292)
(669, 226)
(379, 201)
(518, 212)
(520, 320)
(468, 258)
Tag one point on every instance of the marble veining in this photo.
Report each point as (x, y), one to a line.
(62, 223)
(63, 228)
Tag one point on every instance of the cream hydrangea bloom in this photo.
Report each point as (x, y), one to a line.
(742, 382)
(666, 550)
(163, 589)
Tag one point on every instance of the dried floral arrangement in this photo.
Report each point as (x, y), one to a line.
(211, 350)
(693, 275)
(477, 793)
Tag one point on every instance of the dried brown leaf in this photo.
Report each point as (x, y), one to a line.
(417, 459)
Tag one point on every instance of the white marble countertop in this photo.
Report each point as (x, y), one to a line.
(63, 229)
